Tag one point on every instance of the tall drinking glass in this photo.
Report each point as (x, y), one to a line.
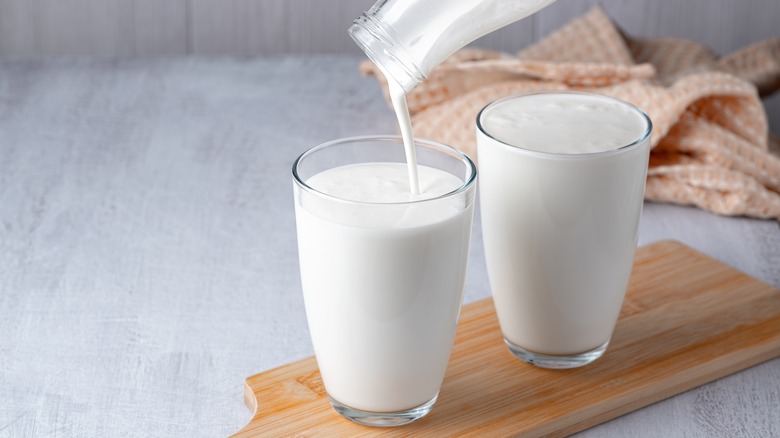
(382, 271)
(562, 177)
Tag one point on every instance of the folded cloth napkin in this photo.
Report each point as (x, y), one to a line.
(711, 145)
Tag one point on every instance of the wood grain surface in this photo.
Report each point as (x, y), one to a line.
(686, 320)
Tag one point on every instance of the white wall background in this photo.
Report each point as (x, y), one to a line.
(259, 27)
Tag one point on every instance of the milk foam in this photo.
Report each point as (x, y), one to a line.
(385, 184)
(382, 183)
(567, 123)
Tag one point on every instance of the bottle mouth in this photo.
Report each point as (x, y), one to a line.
(386, 51)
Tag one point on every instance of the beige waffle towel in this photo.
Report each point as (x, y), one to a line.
(711, 145)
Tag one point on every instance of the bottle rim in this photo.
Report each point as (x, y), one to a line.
(379, 43)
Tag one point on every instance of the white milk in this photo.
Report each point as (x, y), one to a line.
(431, 31)
(401, 109)
(564, 123)
(383, 283)
(408, 38)
(559, 215)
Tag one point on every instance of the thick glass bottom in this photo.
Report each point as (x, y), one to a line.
(556, 362)
(383, 419)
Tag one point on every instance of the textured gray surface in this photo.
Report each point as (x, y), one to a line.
(147, 248)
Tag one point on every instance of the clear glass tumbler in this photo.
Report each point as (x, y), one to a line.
(382, 281)
(560, 228)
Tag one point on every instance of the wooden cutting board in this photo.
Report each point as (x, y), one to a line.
(687, 320)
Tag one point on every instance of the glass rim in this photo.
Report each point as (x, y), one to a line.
(439, 147)
(558, 155)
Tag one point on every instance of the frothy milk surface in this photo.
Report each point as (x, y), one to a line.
(560, 229)
(382, 282)
(382, 183)
(564, 123)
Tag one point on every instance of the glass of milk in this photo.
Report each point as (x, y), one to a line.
(562, 177)
(382, 270)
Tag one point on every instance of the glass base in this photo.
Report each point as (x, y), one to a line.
(556, 362)
(383, 419)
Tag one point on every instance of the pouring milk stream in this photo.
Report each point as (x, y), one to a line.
(383, 254)
(406, 39)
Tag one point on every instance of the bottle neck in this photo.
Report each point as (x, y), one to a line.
(386, 51)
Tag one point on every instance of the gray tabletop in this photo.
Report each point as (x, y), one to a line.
(147, 246)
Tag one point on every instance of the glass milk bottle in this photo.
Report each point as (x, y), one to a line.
(406, 39)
